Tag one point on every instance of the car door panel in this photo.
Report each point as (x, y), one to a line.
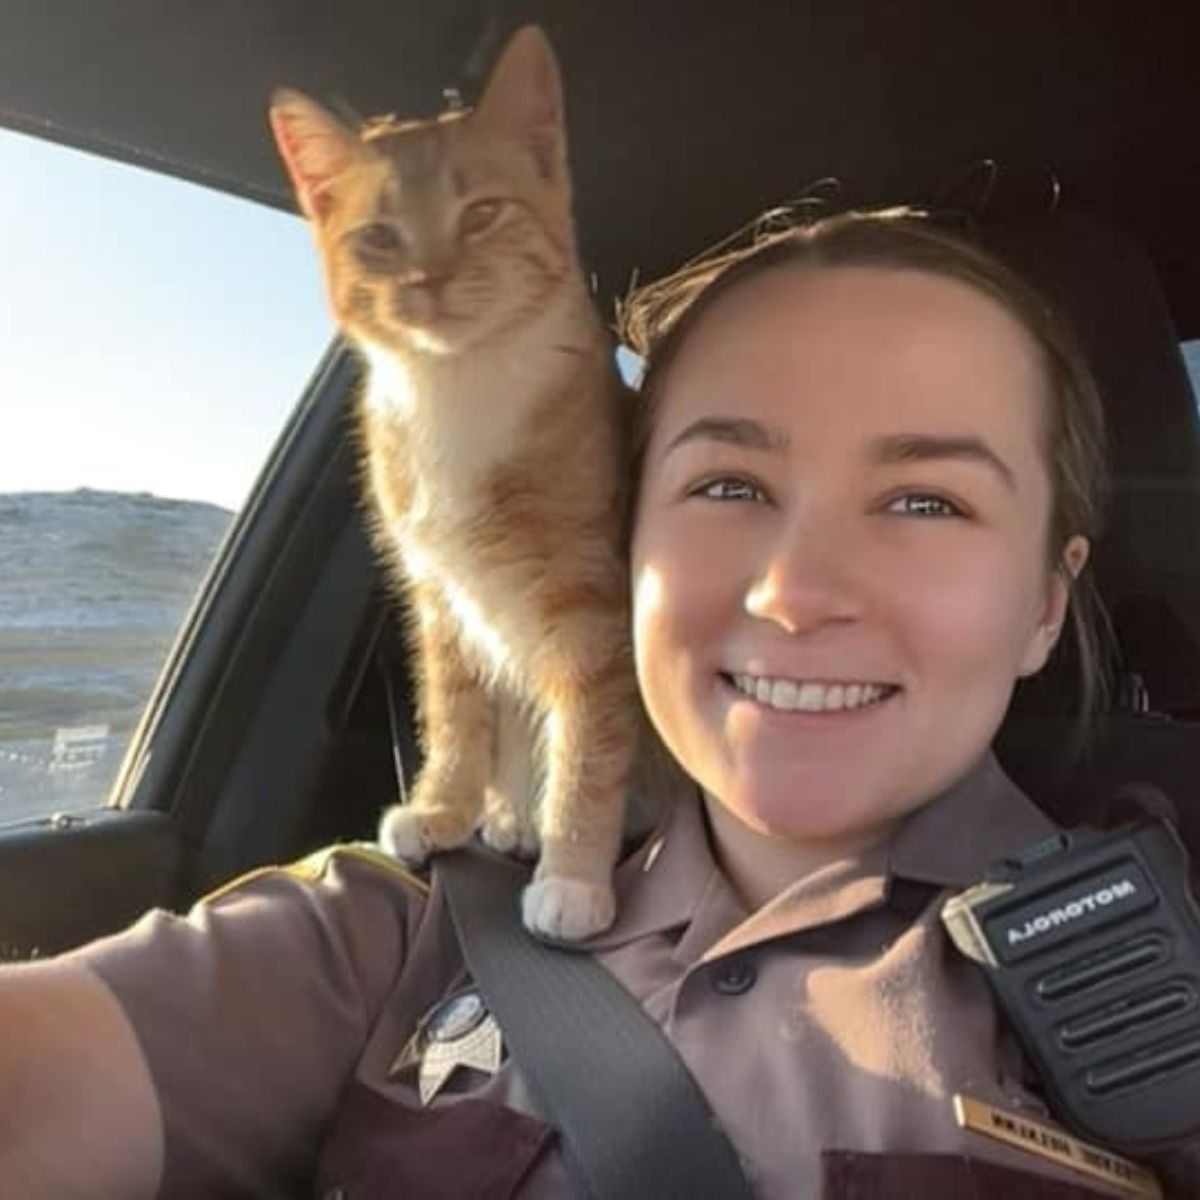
(66, 880)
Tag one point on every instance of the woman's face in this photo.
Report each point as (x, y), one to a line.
(839, 555)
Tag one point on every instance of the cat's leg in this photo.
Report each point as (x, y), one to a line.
(509, 807)
(457, 724)
(590, 736)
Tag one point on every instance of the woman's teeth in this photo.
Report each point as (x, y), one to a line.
(788, 695)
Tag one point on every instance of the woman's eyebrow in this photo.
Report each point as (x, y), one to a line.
(923, 447)
(738, 431)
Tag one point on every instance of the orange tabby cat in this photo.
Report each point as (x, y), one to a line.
(491, 425)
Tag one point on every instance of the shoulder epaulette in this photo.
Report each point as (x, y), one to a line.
(313, 866)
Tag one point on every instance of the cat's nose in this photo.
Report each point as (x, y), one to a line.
(425, 269)
(430, 279)
(421, 300)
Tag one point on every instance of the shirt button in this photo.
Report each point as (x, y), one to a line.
(734, 976)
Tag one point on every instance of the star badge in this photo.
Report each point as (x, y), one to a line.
(459, 1032)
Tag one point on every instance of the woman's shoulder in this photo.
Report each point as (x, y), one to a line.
(337, 869)
(250, 1009)
(341, 919)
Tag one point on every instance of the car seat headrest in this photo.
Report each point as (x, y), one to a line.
(1106, 285)
(1105, 282)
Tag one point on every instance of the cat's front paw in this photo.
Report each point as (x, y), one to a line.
(400, 835)
(567, 910)
(412, 833)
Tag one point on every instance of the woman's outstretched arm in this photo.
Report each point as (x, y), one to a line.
(78, 1112)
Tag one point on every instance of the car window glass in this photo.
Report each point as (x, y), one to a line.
(156, 335)
(1191, 356)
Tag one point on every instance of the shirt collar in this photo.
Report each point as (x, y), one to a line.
(949, 842)
(672, 880)
(952, 840)
(663, 884)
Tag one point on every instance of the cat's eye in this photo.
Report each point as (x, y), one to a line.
(379, 238)
(479, 216)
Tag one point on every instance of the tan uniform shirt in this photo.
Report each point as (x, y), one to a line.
(837, 1021)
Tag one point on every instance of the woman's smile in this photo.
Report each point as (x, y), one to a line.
(808, 696)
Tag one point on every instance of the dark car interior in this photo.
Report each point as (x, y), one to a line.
(1068, 133)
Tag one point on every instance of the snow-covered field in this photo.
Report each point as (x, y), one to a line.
(93, 587)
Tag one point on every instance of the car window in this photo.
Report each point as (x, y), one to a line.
(1191, 356)
(156, 334)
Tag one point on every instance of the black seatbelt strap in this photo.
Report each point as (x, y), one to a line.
(634, 1123)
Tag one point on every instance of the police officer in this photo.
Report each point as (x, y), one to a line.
(868, 468)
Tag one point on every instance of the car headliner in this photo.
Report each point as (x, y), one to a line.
(686, 119)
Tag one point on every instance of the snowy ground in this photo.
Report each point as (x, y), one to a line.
(93, 588)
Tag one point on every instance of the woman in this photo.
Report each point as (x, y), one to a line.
(868, 469)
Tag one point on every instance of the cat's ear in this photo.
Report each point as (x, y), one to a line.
(523, 100)
(315, 147)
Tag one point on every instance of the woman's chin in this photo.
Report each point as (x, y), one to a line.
(800, 813)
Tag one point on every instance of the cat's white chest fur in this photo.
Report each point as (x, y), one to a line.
(462, 417)
(464, 413)
(456, 426)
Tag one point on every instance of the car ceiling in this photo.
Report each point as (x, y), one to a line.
(686, 119)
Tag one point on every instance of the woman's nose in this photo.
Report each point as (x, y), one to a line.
(805, 579)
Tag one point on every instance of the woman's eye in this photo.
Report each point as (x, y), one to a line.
(479, 216)
(728, 488)
(378, 237)
(923, 504)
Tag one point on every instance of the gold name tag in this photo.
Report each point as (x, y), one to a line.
(1049, 1141)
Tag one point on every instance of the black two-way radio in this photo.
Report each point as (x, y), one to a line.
(1091, 942)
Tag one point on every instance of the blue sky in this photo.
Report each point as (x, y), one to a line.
(155, 334)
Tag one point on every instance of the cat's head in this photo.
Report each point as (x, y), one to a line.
(437, 235)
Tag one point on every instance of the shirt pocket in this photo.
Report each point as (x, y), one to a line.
(850, 1176)
(380, 1149)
